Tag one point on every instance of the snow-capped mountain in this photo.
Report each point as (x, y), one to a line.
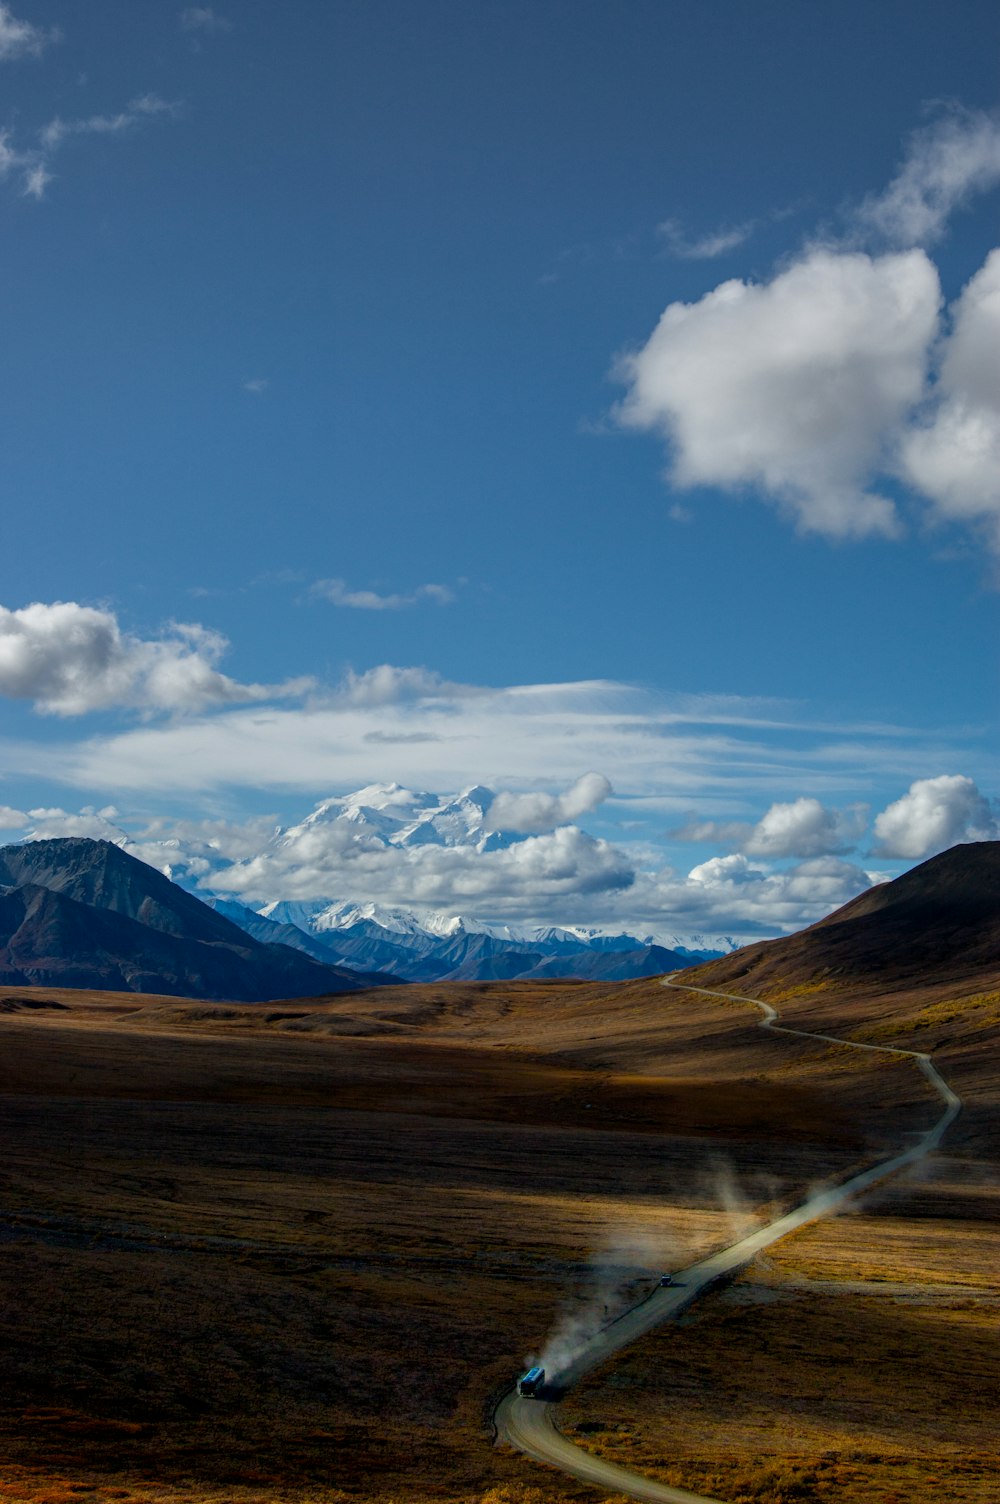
(419, 833)
(403, 817)
(439, 947)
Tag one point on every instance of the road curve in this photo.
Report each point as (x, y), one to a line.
(529, 1424)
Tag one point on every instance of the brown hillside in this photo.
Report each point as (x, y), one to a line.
(939, 922)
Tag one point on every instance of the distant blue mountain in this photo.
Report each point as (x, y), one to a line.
(439, 948)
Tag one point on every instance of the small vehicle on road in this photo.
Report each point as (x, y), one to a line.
(666, 1279)
(530, 1383)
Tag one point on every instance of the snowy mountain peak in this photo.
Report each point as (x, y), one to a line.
(396, 816)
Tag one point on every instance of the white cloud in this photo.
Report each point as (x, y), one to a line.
(202, 18)
(58, 824)
(540, 812)
(12, 819)
(33, 163)
(802, 827)
(936, 813)
(564, 866)
(945, 165)
(954, 457)
(795, 386)
(69, 659)
(36, 179)
(732, 894)
(258, 385)
(565, 876)
(720, 870)
(21, 38)
(684, 752)
(703, 247)
(143, 107)
(338, 593)
(387, 685)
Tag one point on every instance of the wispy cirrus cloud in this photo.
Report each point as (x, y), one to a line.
(339, 593)
(30, 160)
(686, 753)
(143, 107)
(574, 851)
(702, 247)
(204, 20)
(946, 164)
(21, 38)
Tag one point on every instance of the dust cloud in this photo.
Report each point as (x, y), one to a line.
(618, 1275)
(631, 1258)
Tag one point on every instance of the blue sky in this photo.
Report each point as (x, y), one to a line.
(333, 332)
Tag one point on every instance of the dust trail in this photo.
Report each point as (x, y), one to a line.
(618, 1275)
(721, 1186)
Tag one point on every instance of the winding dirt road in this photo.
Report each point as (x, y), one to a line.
(529, 1424)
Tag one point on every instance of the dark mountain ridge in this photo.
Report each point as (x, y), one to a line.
(82, 913)
(940, 920)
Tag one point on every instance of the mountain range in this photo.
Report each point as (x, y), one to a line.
(82, 913)
(455, 948)
(76, 912)
(438, 947)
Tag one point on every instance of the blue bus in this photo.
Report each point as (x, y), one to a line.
(530, 1383)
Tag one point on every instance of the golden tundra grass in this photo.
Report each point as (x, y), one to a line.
(287, 1255)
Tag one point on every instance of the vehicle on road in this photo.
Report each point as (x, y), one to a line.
(530, 1383)
(666, 1279)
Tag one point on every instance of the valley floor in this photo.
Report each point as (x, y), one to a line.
(254, 1254)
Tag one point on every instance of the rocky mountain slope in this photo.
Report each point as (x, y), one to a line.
(82, 913)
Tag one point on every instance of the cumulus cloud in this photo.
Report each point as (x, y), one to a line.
(565, 876)
(946, 163)
(793, 386)
(540, 812)
(802, 827)
(732, 893)
(566, 865)
(702, 247)
(21, 38)
(69, 659)
(719, 870)
(936, 813)
(805, 827)
(12, 819)
(953, 457)
(338, 593)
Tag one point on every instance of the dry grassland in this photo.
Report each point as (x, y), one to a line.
(858, 1359)
(252, 1255)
